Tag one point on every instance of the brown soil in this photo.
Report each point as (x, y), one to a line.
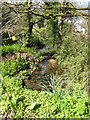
(10, 57)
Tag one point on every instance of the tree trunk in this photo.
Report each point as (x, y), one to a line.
(60, 21)
(30, 24)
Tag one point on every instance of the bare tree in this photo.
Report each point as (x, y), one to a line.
(30, 9)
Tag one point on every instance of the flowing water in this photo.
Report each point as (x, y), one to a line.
(41, 75)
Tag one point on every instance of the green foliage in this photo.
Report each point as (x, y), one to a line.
(10, 49)
(10, 90)
(74, 105)
(48, 33)
(66, 29)
(18, 48)
(55, 86)
(55, 102)
(23, 38)
(65, 105)
(71, 102)
(13, 67)
(14, 38)
(21, 102)
(72, 55)
(15, 99)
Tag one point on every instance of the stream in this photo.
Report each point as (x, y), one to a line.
(41, 75)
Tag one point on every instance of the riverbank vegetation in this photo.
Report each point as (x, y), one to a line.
(28, 91)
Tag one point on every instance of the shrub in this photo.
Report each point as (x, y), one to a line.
(73, 56)
(18, 102)
(13, 67)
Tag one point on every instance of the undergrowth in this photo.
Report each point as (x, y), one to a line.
(69, 102)
(18, 102)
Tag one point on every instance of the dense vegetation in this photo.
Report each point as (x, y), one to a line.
(68, 96)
